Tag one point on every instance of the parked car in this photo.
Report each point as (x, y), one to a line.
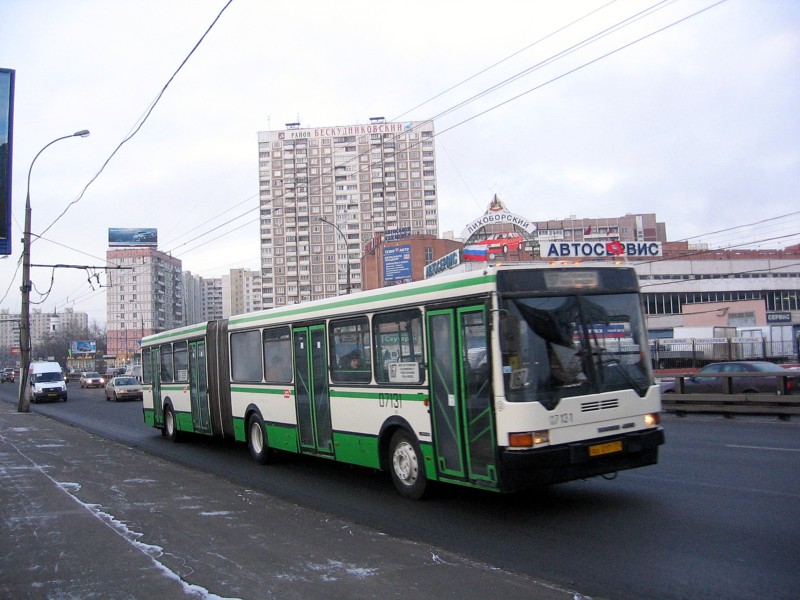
(123, 388)
(92, 379)
(707, 379)
(503, 242)
(8, 375)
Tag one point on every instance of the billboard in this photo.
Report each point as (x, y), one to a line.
(142, 236)
(6, 146)
(83, 347)
(397, 265)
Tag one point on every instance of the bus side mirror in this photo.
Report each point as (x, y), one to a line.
(509, 334)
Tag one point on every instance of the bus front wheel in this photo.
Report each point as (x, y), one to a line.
(407, 466)
(257, 440)
(170, 424)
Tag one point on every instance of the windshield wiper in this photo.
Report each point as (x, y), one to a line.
(604, 359)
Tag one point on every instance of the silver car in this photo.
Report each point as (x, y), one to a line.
(91, 379)
(123, 388)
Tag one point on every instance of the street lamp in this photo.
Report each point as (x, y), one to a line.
(25, 315)
(344, 237)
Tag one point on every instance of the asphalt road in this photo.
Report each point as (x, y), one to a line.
(716, 518)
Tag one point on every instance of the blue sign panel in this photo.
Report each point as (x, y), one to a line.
(143, 236)
(83, 347)
(397, 265)
(6, 139)
(779, 317)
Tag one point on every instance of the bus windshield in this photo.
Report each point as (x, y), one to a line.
(574, 345)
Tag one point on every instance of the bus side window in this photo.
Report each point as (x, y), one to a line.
(147, 370)
(351, 355)
(398, 344)
(278, 355)
(180, 353)
(166, 363)
(246, 356)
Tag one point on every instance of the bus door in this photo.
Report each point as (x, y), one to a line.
(461, 395)
(312, 393)
(198, 387)
(155, 369)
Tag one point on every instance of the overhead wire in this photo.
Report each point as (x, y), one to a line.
(137, 127)
(144, 119)
(625, 22)
(654, 7)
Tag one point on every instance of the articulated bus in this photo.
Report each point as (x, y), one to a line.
(500, 379)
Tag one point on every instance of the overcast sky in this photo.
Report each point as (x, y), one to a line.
(697, 123)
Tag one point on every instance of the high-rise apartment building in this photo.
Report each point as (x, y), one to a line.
(211, 305)
(241, 292)
(192, 312)
(145, 296)
(327, 191)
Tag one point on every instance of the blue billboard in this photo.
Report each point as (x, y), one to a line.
(83, 347)
(397, 265)
(6, 139)
(143, 236)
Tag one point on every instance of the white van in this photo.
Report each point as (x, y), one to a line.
(47, 382)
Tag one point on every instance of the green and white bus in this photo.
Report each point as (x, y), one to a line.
(500, 379)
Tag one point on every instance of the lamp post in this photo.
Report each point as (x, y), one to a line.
(344, 237)
(25, 314)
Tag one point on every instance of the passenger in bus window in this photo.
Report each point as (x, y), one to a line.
(350, 368)
(355, 361)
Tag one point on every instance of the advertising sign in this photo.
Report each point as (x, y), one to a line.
(779, 317)
(6, 139)
(602, 249)
(83, 347)
(448, 261)
(143, 236)
(397, 265)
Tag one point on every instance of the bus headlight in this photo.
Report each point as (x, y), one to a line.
(652, 419)
(528, 439)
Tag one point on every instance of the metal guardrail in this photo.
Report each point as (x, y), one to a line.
(781, 403)
(730, 405)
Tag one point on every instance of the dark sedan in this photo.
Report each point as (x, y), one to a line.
(747, 377)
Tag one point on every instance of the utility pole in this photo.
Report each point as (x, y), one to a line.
(25, 288)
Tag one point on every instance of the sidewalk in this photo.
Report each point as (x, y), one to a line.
(85, 517)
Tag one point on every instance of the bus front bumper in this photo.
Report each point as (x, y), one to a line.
(566, 462)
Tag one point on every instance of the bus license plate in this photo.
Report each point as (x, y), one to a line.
(608, 448)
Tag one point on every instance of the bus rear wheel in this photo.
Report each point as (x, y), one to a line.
(406, 466)
(170, 424)
(257, 440)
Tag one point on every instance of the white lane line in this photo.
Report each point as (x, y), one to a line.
(763, 448)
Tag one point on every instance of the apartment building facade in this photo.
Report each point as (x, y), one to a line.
(144, 296)
(326, 191)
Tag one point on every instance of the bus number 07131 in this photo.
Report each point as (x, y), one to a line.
(390, 401)
(562, 419)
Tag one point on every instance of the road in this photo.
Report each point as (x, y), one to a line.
(716, 518)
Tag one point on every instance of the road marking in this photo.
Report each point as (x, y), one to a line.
(763, 448)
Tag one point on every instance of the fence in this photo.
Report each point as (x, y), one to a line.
(694, 353)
